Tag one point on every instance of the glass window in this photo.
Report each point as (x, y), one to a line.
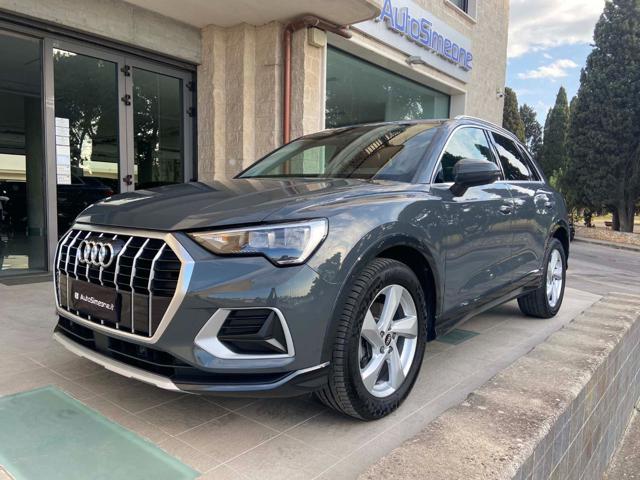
(22, 165)
(461, 4)
(391, 152)
(157, 129)
(87, 140)
(360, 92)
(465, 143)
(513, 162)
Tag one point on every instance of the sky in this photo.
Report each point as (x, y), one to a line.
(549, 41)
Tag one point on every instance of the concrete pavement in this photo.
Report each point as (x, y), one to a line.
(295, 438)
(601, 270)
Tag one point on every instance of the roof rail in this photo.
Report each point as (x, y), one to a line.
(477, 119)
(486, 122)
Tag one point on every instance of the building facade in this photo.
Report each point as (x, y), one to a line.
(99, 97)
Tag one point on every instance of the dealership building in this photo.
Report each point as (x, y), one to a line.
(99, 97)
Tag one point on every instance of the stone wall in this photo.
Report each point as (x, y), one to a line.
(240, 95)
(556, 413)
(116, 20)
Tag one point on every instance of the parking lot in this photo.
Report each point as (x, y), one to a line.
(265, 438)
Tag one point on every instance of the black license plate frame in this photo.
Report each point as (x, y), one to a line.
(99, 302)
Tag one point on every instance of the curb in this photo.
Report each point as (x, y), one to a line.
(557, 413)
(602, 243)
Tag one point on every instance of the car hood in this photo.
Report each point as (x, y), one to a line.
(230, 202)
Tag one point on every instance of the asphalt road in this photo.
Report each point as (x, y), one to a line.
(600, 270)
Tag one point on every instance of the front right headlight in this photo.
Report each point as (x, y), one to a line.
(282, 243)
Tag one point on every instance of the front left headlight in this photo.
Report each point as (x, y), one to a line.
(282, 243)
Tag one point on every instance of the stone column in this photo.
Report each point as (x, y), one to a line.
(307, 99)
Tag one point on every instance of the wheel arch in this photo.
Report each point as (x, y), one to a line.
(406, 249)
(560, 231)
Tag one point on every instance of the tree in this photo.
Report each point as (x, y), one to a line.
(532, 130)
(554, 150)
(511, 117)
(604, 140)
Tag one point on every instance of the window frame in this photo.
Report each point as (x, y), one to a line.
(438, 163)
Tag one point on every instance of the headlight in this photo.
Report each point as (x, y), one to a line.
(283, 243)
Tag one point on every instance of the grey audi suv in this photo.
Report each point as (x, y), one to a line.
(324, 267)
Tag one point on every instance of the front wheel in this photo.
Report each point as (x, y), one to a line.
(545, 302)
(380, 342)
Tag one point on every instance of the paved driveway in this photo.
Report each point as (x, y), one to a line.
(601, 270)
(244, 438)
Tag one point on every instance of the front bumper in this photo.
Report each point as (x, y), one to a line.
(212, 284)
(291, 384)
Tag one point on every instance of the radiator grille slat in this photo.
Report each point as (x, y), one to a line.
(145, 274)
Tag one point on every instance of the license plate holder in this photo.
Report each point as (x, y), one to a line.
(100, 302)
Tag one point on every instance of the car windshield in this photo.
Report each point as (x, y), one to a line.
(387, 151)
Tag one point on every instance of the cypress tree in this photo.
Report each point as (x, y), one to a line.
(532, 130)
(511, 117)
(604, 139)
(555, 140)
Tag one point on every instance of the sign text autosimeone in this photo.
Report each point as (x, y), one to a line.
(421, 31)
(406, 26)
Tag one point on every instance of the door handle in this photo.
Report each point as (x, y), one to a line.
(506, 209)
(128, 179)
(549, 204)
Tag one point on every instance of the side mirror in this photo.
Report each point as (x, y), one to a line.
(471, 173)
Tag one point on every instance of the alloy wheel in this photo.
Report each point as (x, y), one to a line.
(554, 278)
(388, 341)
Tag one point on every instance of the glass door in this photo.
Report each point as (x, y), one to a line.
(22, 160)
(89, 160)
(160, 119)
(121, 123)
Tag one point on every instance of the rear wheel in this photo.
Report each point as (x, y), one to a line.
(545, 302)
(380, 342)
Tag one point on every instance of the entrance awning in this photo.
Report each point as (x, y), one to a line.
(225, 13)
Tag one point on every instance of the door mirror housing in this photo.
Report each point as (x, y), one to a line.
(472, 173)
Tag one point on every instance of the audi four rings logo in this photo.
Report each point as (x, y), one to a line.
(98, 253)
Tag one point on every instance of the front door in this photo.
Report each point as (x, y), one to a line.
(121, 123)
(477, 228)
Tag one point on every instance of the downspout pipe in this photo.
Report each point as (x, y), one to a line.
(307, 21)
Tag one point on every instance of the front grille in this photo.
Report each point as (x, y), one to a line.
(144, 274)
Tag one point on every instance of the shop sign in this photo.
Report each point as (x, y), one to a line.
(407, 27)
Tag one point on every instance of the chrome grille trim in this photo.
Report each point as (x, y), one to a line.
(151, 276)
(131, 285)
(184, 277)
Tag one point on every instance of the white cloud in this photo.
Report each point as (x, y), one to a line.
(537, 25)
(557, 69)
(547, 56)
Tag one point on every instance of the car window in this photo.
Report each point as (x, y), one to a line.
(514, 165)
(465, 143)
(384, 151)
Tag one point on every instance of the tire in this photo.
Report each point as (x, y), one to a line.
(380, 281)
(539, 303)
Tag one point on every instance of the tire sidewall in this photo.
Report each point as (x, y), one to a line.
(401, 275)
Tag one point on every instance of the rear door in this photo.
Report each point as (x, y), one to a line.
(533, 208)
(477, 227)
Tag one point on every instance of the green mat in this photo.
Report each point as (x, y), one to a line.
(457, 336)
(46, 434)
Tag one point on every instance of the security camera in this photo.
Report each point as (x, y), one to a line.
(499, 93)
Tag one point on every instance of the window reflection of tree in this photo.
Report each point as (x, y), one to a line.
(157, 129)
(358, 92)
